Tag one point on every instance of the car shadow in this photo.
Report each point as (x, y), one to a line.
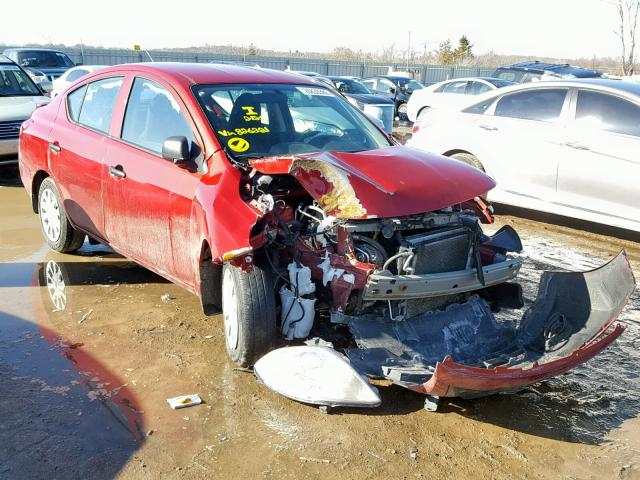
(10, 176)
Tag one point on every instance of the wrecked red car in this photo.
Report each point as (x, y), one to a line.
(273, 198)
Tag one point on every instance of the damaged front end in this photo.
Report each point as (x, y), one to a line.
(388, 263)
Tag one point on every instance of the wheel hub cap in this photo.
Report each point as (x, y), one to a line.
(50, 216)
(230, 310)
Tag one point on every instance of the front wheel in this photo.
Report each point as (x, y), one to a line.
(469, 159)
(249, 311)
(56, 228)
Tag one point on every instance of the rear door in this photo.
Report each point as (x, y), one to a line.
(147, 199)
(520, 140)
(77, 150)
(600, 170)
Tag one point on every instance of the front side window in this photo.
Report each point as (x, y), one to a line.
(43, 59)
(14, 82)
(607, 112)
(260, 120)
(152, 116)
(370, 84)
(97, 107)
(544, 104)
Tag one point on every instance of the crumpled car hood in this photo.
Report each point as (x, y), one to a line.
(388, 182)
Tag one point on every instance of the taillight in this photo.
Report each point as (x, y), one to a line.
(416, 126)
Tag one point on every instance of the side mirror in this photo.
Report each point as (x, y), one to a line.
(176, 149)
(392, 90)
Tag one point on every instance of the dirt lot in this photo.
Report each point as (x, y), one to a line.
(86, 368)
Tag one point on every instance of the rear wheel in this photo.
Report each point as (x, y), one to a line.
(469, 160)
(249, 311)
(56, 228)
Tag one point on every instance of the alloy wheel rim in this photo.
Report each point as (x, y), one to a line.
(50, 215)
(230, 310)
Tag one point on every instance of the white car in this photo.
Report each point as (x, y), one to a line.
(565, 147)
(19, 97)
(71, 75)
(451, 93)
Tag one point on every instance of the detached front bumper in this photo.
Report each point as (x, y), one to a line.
(570, 322)
(386, 286)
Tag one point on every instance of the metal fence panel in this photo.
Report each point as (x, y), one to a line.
(427, 74)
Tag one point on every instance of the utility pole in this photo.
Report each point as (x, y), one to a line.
(408, 51)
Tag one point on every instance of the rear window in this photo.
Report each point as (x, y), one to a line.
(43, 59)
(92, 105)
(540, 104)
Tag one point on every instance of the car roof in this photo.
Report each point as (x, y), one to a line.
(27, 49)
(560, 68)
(199, 73)
(603, 84)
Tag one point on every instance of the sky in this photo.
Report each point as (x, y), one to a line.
(554, 28)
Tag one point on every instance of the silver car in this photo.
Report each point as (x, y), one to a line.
(566, 147)
(19, 97)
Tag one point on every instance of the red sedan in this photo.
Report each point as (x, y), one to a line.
(270, 196)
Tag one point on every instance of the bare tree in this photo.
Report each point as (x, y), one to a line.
(628, 11)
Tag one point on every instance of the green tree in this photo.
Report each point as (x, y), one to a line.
(464, 51)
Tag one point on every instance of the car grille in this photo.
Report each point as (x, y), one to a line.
(10, 130)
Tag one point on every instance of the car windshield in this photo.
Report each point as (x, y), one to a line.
(14, 82)
(350, 86)
(260, 120)
(409, 84)
(43, 59)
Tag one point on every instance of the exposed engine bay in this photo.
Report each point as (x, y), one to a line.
(410, 298)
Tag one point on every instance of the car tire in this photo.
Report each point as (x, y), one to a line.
(401, 111)
(469, 159)
(56, 228)
(249, 311)
(422, 110)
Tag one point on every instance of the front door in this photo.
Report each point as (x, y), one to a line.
(145, 213)
(523, 136)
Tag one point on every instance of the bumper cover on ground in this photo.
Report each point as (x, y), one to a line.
(465, 351)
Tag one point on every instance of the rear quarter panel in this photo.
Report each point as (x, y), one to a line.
(33, 152)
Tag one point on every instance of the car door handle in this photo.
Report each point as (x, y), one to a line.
(117, 171)
(488, 127)
(54, 147)
(577, 146)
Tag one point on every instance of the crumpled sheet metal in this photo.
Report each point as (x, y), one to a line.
(464, 351)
